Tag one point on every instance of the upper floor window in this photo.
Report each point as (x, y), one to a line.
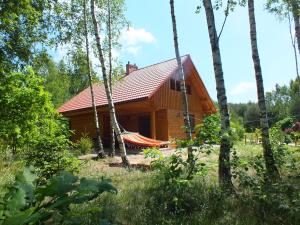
(175, 85)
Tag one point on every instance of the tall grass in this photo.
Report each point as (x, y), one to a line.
(142, 199)
(8, 169)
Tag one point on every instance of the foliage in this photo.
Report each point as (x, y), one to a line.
(247, 114)
(142, 200)
(30, 126)
(274, 201)
(65, 78)
(78, 72)
(278, 135)
(285, 123)
(237, 130)
(8, 169)
(278, 102)
(282, 103)
(26, 203)
(294, 108)
(25, 105)
(23, 24)
(175, 174)
(56, 77)
(153, 153)
(209, 130)
(282, 8)
(251, 117)
(84, 145)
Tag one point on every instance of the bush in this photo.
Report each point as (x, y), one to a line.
(84, 145)
(31, 126)
(174, 177)
(238, 131)
(208, 131)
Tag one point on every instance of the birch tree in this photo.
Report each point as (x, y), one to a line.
(271, 168)
(182, 81)
(110, 102)
(99, 146)
(109, 21)
(225, 145)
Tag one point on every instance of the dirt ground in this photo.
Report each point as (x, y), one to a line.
(134, 157)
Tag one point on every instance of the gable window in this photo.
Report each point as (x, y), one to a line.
(175, 85)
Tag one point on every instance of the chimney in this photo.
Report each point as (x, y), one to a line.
(130, 68)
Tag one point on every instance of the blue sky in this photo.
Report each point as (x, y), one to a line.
(150, 41)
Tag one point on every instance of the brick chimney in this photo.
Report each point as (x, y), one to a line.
(130, 68)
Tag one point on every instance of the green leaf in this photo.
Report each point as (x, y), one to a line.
(16, 200)
(58, 185)
(26, 180)
(19, 218)
(87, 185)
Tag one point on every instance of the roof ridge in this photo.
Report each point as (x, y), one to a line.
(159, 63)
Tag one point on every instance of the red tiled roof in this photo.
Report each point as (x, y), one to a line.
(139, 84)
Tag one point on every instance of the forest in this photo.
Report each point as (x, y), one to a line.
(238, 166)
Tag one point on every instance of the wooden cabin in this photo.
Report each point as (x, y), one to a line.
(147, 100)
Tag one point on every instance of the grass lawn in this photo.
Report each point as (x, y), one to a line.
(141, 201)
(135, 201)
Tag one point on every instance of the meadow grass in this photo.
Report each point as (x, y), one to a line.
(141, 199)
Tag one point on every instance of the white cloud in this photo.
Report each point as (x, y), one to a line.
(134, 36)
(133, 39)
(133, 49)
(242, 88)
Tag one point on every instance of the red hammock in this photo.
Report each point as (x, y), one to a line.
(136, 140)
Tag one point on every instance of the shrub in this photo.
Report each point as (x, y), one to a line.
(30, 125)
(209, 130)
(238, 131)
(275, 202)
(84, 145)
(174, 177)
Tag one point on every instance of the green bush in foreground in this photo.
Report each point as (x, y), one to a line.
(31, 128)
(26, 203)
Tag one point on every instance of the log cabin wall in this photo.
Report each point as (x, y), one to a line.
(171, 101)
(162, 124)
(175, 123)
(166, 98)
(84, 124)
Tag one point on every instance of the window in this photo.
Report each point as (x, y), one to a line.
(172, 84)
(175, 85)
